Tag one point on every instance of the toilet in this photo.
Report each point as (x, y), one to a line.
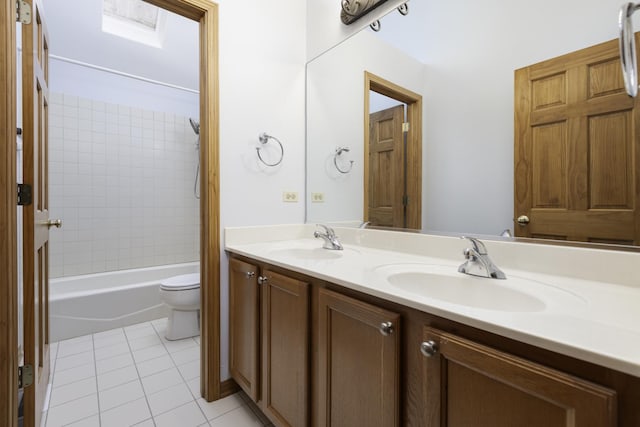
(182, 295)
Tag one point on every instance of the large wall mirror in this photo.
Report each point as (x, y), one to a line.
(460, 58)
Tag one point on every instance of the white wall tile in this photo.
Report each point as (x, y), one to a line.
(119, 175)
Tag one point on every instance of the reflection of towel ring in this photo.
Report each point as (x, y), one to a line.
(339, 152)
(264, 138)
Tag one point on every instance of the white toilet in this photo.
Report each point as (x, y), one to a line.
(182, 295)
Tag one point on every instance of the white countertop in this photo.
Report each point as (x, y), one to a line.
(591, 297)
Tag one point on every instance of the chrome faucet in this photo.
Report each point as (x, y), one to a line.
(478, 262)
(329, 237)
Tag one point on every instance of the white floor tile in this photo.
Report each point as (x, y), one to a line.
(93, 421)
(149, 353)
(150, 367)
(112, 350)
(75, 340)
(72, 375)
(220, 407)
(188, 415)
(240, 417)
(113, 363)
(110, 332)
(146, 423)
(190, 370)
(66, 393)
(144, 342)
(179, 345)
(194, 386)
(70, 348)
(69, 362)
(169, 399)
(109, 340)
(117, 377)
(125, 415)
(184, 356)
(72, 411)
(119, 395)
(162, 380)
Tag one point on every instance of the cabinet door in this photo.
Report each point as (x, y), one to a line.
(467, 384)
(358, 354)
(285, 349)
(244, 317)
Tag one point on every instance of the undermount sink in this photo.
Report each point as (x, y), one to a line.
(318, 253)
(444, 283)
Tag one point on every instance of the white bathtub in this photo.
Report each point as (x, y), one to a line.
(81, 305)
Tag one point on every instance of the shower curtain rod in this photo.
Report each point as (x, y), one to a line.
(121, 73)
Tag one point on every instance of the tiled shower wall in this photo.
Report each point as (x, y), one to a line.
(121, 179)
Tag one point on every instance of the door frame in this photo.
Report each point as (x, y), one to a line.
(414, 143)
(206, 13)
(8, 220)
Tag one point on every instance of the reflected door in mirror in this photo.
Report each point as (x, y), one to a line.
(577, 149)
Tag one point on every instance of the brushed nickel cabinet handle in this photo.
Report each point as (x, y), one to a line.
(386, 328)
(429, 348)
(250, 274)
(262, 280)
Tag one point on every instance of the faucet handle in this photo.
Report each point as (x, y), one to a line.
(478, 246)
(327, 230)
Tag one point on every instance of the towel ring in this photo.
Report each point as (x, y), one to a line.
(264, 138)
(627, 45)
(339, 151)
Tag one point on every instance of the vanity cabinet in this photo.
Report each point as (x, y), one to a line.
(358, 363)
(269, 341)
(312, 353)
(468, 384)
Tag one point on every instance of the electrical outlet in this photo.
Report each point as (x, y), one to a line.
(290, 196)
(317, 197)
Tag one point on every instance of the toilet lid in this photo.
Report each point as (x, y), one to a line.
(181, 283)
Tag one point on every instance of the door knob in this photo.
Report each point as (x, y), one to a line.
(523, 220)
(57, 223)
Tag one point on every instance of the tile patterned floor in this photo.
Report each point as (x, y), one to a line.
(134, 376)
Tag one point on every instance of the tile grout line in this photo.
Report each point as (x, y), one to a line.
(95, 367)
(135, 365)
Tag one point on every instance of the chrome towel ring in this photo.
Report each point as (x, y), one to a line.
(264, 138)
(339, 151)
(628, 48)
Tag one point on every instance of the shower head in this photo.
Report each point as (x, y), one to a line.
(195, 125)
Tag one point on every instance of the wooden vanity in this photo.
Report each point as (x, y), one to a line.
(314, 353)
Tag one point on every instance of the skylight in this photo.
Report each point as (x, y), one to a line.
(134, 20)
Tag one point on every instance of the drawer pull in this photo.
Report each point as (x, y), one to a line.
(386, 328)
(429, 348)
(250, 274)
(262, 280)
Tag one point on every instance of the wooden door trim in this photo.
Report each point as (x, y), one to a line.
(8, 220)
(206, 13)
(414, 143)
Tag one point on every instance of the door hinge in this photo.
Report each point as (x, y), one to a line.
(405, 127)
(405, 200)
(23, 12)
(25, 195)
(25, 376)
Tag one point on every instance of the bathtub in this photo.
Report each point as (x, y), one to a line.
(81, 305)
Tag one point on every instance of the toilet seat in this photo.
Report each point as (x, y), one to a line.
(183, 282)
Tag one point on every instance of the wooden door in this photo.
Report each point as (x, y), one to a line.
(359, 356)
(285, 349)
(577, 149)
(35, 93)
(467, 384)
(244, 326)
(386, 168)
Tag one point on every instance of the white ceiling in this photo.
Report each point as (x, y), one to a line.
(75, 32)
